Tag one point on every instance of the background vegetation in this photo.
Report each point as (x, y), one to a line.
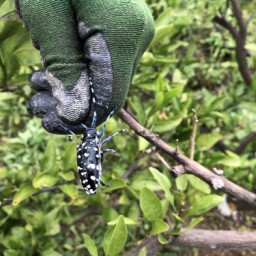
(190, 64)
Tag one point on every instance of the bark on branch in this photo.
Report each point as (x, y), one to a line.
(217, 239)
(190, 166)
(239, 34)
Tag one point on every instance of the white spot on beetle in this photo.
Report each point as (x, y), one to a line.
(97, 156)
(86, 154)
(91, 191)
(84, 181)
(78, 156)
(92, 178)
(95, 149)
(92, 166)
(88, 186)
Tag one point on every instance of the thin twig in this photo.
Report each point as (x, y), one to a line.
(131, 168)
(193, 137)
(192, 167)
(177, 146)
(250, 19)
(163, 161)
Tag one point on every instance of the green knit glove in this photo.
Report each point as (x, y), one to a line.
(103, 39)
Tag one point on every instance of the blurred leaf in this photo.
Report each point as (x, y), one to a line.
(150, 205)
(115, 238)
(143, 252)
(182, 182)
(206, 141)
(158, 226)
(164, 18)
(3, 173)
(167, 125)
(7, 7)
(24, 192)
(49, 160)
(192, 224)
(115, 184)
(70, 190)
(161, 179)
(69, 157)
(127, 222)
(160, 33)
(68, 176)
(44, 179)
(162, 239)
(109, 214)
(143, 144)
(199, 184)
(203, 205)
(90, 245)
(7, 95)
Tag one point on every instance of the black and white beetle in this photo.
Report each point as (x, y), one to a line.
(89, 152)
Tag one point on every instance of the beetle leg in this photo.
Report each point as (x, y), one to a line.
(110, 137)
(64, 127)
(109, 150)
(105, 185)
(69, 139)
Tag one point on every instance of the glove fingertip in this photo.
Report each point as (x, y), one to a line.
(38, 81)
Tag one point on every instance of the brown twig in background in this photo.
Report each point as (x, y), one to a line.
(163, 161)
(177, 146)
(199, 238)
(239, 36)
(191, 167)
(193, 137)
(131, 168)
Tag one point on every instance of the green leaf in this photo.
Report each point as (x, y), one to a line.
(204, 204)
(182, 182)
(3, 173)
(158, 226)
(199, 184)
(115, 238)
(115, 184)
(162, 180)
(207, 140)
(70, 190)
(109, 214)
(143, 252)
(143, 144)
(192, 224)
(160, 33)
(24, 192)
(67, 175)
(90, 245)
(164, 18)
(69, 157)
(7, 7)
(44, 179)
(127, 221)
(162, 239)
(150, 205)
(7, 96)
(49, 160)
(167, 125)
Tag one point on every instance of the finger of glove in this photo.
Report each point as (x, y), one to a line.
(41, 103)
(53, 124)
(38, 81)
(73, 105)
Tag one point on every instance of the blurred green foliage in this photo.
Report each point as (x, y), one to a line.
(190, 64)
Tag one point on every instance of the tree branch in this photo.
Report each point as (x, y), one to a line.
(239, 36)
(211, 239)
(190, 166)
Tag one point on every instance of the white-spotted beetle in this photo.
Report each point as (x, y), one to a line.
(89, 152)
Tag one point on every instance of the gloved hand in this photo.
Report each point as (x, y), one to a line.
(103, 39)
